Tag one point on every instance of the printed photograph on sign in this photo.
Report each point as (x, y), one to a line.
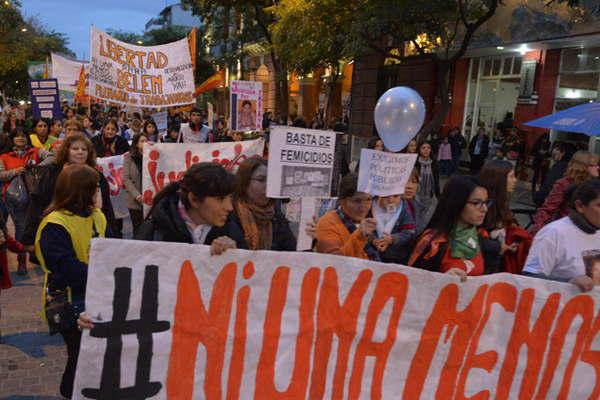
(301, 211)
(591, 260)
(246, 100)
(304, 181)
(246, 117)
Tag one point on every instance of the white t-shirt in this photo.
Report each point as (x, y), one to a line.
(557, 250)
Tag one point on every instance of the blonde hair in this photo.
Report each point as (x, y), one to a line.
(578, 166)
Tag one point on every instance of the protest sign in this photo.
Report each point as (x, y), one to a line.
(300, 211)
(67, 72)
(160, 119)
(300, 162)
(384, 174)
(172, 321)
(45, 101)
(167, 162)
(144, 76)
(211, 115)
(246, 103)
(112, 169)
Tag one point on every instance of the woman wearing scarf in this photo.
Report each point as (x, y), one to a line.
(40, 139)
(429, 184)
(132, 179)
(453, 243)
(560, 251)
(109, 143)
(347, 230)
(264, 225)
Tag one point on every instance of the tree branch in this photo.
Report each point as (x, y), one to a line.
(472, 28)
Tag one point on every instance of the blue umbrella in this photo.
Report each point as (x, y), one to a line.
(584, 118)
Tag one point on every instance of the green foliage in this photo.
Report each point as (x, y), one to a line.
(23, 40)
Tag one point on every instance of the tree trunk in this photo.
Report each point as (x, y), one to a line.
(442, 67)
(330, 90)
(281, 89)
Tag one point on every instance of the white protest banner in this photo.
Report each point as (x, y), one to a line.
(246, 101)
(210, 115)
(160, 119)
(167, 162)
(144, 76)
(112, 169)
(300, 211)
(66, 72)
(172, 321)
(300, 162)
(384, 174)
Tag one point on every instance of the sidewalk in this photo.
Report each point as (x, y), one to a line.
(31, 361)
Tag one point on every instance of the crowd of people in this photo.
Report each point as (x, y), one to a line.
(58, 201)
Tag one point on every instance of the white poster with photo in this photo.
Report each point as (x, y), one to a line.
(302, 210)
(173, 322)
(246, 102)
(112, 169)
(167, 162)
(66, 72)
(384, 174)
(161, 119)
(300, 162)
(143, 76)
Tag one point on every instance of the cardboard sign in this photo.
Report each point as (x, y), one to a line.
(161, 120)
(172, 321)
(300, 162)
(246, 100)
(167, 162)
(45, 99)
(143, 76)
(112, 169)
(384, 174)
(300, 211)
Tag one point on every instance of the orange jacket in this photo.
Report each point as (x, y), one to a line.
(334, 238)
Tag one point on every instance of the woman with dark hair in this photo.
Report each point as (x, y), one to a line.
(558, 249)
(12, 122)
(62, 246)
(40, 138)
(583, 166)
(88, 127)
(264, 225)
(173, 135)
(132, 179)
(12, 165)
(498, 177)
(109, 143)
(429, 182)
(150, 130)
(56, 128)
(75, 149)
(375, 143)
(453, 243)
(411, 147)
(195, 210)
(348, 229)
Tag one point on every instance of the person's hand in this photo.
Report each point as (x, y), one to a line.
(462, 274)
(2, 238)
(509, 247)
(84, 322)
(311, 228)
(368, 226)
(583, 282)
(139, 198)
(221, 244)
(383, 243)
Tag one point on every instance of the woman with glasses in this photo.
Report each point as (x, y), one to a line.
(583, 166)
(454, 243)
(348, 230)
(260, 219)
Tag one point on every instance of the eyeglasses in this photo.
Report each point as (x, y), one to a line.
(481, 203)
(261, 179)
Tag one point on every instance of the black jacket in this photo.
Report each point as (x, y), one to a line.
(283, 238)
(555, 173)
(41, 197)
(121, 145)
(165, 225)
(485, 146)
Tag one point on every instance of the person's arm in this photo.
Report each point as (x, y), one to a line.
(128, 164)
(46, 157)
(330, 242)
(7, 175)
(57, 248)
(13, 245)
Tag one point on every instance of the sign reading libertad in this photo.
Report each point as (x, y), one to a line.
(146, 76)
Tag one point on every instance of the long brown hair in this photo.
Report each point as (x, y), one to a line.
(75, 189)
(244, 175)
(62, 154)
(578, 166)
(493, 177)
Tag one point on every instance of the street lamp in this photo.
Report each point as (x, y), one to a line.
(140, 42)
(23, 29)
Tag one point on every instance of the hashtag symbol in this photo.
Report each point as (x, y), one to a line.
(113, 331)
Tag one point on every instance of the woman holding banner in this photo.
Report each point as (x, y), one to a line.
(559, 250)
(109, 143)
(75, 149)
(347, 230)
(62, 246)
(132, 179)
(40, 139)
(264, 225)
(195, 210)
(453, 243)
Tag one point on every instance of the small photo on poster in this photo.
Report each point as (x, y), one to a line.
(304, 181)
(591, 260)
(246, 116)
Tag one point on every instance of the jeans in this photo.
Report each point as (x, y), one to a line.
(18, 216)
